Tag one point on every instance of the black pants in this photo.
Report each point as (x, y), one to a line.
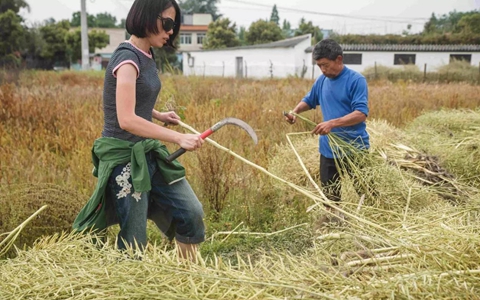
(330, 178)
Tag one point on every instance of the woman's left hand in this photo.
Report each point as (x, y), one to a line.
(169, 118)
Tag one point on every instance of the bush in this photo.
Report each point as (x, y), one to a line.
(406, 72)
(456, 71)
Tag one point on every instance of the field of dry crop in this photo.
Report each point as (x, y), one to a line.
(417, 237)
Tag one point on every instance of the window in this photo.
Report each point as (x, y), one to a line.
(463, 57)
(200, 38)
(404, 59)
(185, 38)
(352, 58)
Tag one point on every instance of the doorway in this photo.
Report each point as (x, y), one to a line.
(239, 67)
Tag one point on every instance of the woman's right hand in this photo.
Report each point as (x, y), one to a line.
(191, 142)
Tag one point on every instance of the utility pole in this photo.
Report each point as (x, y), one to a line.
(83, 22)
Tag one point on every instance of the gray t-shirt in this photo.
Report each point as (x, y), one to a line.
(147, 88)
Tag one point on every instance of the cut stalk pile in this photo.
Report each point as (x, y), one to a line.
(411, 204)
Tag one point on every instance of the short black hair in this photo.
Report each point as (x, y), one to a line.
(328, 49)
(142, 18)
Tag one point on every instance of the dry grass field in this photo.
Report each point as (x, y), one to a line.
(416, 238)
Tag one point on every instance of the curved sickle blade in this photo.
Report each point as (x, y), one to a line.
(218, 125)
(239, 123)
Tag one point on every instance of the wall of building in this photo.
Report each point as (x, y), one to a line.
(476, 59)
(193, 26)
(434, 60)
(284, 62)
(187, 19)
(194, 46)
(313, 71)
(301, 60)
(116, 35)
(257, 63)
(197, 19)
(202, 19)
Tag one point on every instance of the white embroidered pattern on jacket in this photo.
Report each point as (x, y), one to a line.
(122, 181)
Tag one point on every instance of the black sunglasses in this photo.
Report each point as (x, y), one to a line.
(167, 23)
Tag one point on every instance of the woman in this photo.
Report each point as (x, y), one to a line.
(134, 180)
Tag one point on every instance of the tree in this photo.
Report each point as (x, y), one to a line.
(261, 32)
(105, 20)
(200, 7)
(76, 21)
(241, 35)
(11, 33)
(447, 23)
(56, 47)
(167, 58)
(407, 31)
(274, 16)
(452, 28)
(221, 34)
(73, 40)
(100, 20)
(470, 24)
(13, 5)
(97, 39)
(50, 21)
(412, 39)
(34, 41)
(123, 23)
(306, 28)
(287, 29)
(431, 25)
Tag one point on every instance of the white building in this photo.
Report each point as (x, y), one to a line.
(359, 57)
(293, 57)
(277, 59)
(116, 36)
(193, 31)
(101, 57)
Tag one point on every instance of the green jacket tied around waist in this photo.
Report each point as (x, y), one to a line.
(107, 153)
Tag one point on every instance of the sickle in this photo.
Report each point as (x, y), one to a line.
(217, 126)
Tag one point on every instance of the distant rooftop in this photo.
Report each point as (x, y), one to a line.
(287, 43)
(407, 48)
(184, 27)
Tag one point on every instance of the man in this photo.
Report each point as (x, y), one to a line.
(343, 98)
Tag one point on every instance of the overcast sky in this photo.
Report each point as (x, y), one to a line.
(343, 16)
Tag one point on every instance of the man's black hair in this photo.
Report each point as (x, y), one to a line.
(328, 49)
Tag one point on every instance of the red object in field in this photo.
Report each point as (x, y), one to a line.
(217, 126)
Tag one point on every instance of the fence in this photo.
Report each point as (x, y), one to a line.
(249, 70)
(454, 72)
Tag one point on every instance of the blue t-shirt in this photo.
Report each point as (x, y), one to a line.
(339, 97)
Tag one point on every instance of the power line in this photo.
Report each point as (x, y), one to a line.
(245, 8)
(389, 19)
(368, 18)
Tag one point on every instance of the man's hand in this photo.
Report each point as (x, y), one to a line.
(323, 128)
(169, 118)
(289, 117)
